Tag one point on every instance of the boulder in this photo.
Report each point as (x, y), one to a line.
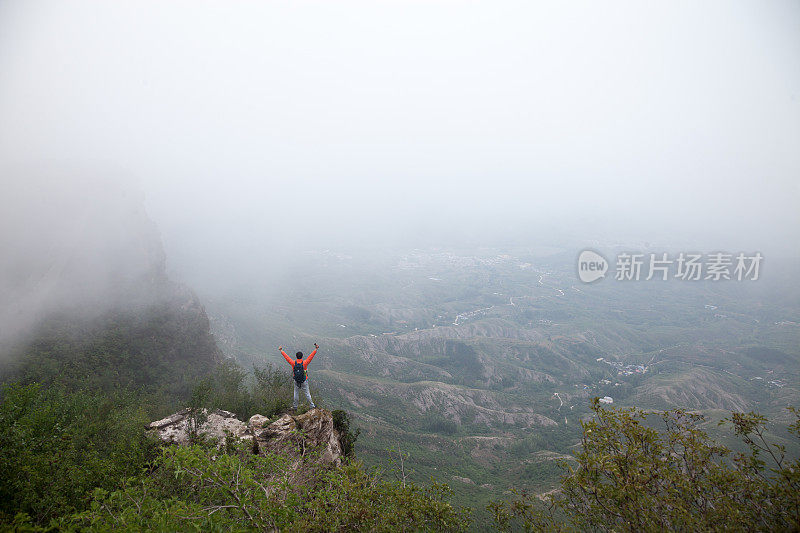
(256, 423)
(177, 428)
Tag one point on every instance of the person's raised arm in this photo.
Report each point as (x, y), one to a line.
(288, 359)
(311, 356)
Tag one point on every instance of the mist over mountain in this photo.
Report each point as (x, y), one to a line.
(257, 133)
(83, 272)
(185, 187)
(74, 243)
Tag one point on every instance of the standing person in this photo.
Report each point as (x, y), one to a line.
(300, 374)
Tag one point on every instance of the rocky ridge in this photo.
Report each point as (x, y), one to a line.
(292, 435)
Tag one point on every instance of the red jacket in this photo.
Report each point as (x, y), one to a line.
(305, 361)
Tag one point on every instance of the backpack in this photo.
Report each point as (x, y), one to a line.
(299, 372)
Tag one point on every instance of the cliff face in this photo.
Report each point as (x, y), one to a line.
(84, 289)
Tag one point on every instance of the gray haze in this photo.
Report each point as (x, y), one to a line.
(66, 251)
(258, 129)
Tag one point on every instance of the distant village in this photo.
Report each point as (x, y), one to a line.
(622, 368)
(779, 383)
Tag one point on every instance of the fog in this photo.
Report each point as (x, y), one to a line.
(254, 130)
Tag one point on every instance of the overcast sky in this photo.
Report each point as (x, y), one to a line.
(253, 123)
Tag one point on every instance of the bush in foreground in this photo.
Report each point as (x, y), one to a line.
(632, 477)
(197, 488)
(57, 446)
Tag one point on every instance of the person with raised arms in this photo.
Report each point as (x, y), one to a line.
(300, 373)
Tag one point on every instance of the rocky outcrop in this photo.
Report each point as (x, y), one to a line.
(296, 436)
(314, 429)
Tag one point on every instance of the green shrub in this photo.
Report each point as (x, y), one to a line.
(57, 446)
(195, 488)
(341, 423)
(632, 477)
(267, 392)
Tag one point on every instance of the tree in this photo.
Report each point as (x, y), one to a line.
(632, 477)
